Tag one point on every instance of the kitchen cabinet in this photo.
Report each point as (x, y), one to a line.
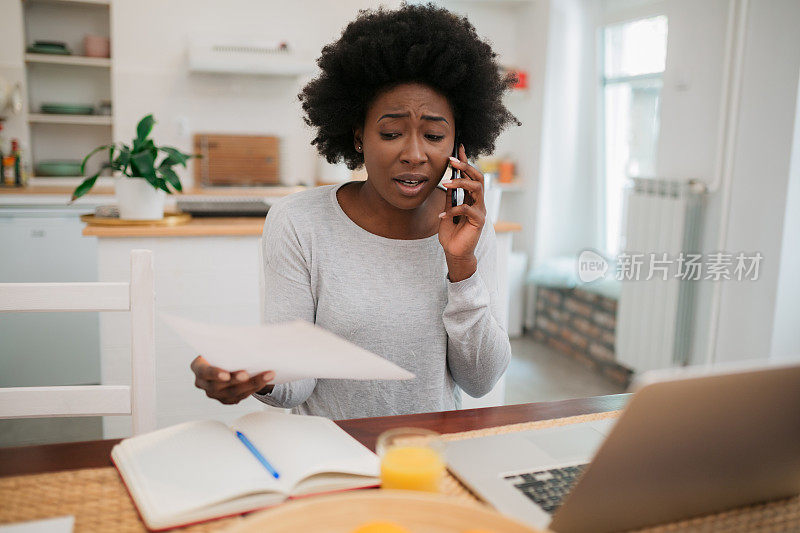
(206, 278)
(44, 244)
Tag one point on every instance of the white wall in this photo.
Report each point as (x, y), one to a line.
(518, 32)
(567, 206)
(150, 72)
(532, 42)
(760, 175)
(692, 83)
(785, 333)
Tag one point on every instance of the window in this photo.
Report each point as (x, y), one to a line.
(634, 55)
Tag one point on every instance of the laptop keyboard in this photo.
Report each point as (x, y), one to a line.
(547, 488)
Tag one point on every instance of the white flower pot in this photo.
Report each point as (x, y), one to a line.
(138, 200)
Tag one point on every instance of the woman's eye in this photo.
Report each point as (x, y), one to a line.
(395, 135)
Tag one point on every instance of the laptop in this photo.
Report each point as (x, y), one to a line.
(689, 442)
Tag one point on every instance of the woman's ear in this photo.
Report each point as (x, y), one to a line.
(358, 139)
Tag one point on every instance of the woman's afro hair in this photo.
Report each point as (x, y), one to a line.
(415, 43)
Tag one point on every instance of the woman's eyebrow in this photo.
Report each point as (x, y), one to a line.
(403, 115)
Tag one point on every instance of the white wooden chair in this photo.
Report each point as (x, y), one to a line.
(138, 398)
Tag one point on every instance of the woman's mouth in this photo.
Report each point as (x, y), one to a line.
(410, 187)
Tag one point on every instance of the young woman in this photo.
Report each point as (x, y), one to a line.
(382, 262)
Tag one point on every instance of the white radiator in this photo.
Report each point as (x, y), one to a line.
(654, 317)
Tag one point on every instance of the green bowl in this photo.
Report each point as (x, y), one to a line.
(58, 167)
(68, 109)
(48, 49)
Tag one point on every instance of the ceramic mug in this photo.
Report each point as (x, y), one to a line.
(96, 46)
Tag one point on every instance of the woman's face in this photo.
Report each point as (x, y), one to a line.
(408, 135)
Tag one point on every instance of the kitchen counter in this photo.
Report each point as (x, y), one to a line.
(60, 194)
(53, 190)
(278, 190)
(197, 227)
(200, 227)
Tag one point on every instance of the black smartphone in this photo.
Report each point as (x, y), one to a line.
(454, 175)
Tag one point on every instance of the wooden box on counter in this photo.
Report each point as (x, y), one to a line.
(236, 159)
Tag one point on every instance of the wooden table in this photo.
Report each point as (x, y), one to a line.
(93, 454)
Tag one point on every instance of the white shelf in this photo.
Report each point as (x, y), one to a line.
(82, 120)
(72, 2)
(81, 61)
(515, 186)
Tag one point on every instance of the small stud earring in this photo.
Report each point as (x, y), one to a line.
(359, 148)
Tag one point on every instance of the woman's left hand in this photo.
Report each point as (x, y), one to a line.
(459, 240)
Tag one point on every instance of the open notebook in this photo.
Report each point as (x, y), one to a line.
(201, 470)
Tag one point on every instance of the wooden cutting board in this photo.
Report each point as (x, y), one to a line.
(236, 159)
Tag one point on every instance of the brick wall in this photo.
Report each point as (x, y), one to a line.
(580, 324)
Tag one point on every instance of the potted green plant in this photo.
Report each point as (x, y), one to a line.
(144, 179)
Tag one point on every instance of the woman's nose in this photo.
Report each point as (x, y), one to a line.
(414, 151)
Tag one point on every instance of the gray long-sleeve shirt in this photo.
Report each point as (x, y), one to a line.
(389, 296)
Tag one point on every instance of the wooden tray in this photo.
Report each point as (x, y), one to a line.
(170, 219)
(417, 512)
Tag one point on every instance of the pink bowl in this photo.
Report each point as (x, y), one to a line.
(96, 46)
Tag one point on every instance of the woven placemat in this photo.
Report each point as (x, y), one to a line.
(98, 500)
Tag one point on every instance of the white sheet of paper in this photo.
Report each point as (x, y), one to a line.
(294, 350)
(61, 524)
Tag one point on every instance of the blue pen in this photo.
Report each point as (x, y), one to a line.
(257, 453)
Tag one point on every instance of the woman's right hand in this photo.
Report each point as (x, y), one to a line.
(228, 387)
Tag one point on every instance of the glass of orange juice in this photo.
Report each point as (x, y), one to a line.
(411, 459)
